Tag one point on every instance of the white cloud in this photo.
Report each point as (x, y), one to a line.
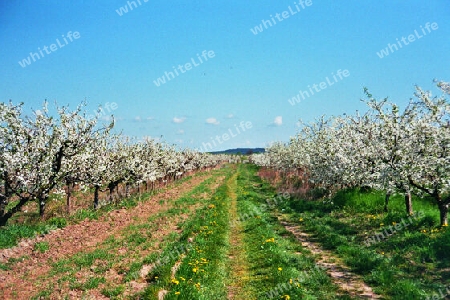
(178, 120)
(181, 131)
(137, 119)
(150, 118)
(230, 116)
(212, 121)
(278, 121)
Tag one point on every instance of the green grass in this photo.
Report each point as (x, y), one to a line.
(41, 247)
(412, 263)
(201, 269)
(113, 292)
(407, 262)
(134, 239)
(90, 284)
(280, 267)
(10, 235)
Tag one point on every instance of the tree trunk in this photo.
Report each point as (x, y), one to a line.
(70, 186)
(3, 220)
(3, 204)
(127, 190)
(42, 202)
(408, 203)
(4, 217)
(386, 201)
(111, 192)
(111, 187)
(443, 213)
(96, 190)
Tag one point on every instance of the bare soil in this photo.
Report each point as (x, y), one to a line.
(24, 278)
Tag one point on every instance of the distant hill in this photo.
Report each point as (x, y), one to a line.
(243, 151)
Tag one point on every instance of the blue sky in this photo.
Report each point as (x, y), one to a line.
(247, 82)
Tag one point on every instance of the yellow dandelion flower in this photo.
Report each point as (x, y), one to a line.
(279, 269)
(194, 270)
(177, 293)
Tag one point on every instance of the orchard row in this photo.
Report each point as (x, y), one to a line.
(43, 154)
(387, 148)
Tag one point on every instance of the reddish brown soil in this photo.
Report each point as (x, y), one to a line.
(22, 281)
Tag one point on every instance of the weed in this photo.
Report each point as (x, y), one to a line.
(41, 246)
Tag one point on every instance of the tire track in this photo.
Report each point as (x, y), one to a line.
(349, 282)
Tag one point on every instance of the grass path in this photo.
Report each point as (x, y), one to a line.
(239, 269)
